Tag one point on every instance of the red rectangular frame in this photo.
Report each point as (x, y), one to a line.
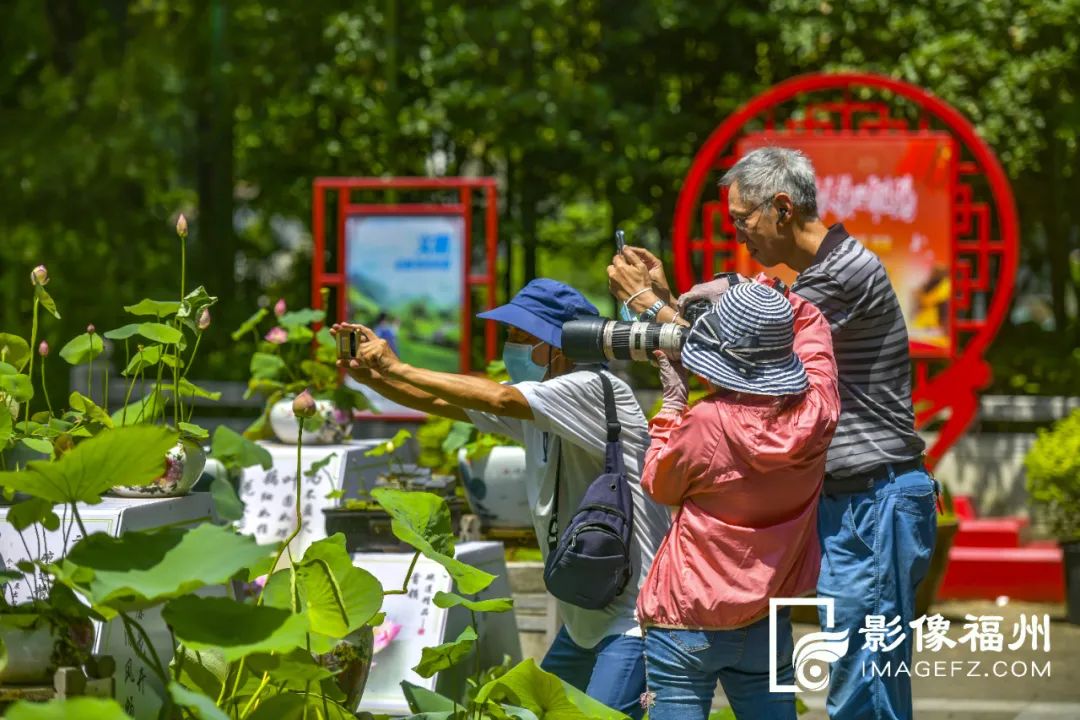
(322, 277)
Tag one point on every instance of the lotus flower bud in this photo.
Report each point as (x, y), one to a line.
(204, 319)
(43, 349)
(181, 226)
(277, 336)
(39, 275)
(304, 405)
(90, 329)
(279, 307)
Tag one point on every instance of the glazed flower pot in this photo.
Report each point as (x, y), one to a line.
(184, 464)
(350, 660)
(35, 649)
(495, 487)
(335, 427)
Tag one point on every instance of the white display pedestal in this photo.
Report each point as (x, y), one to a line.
(137, 688)
(270, 495)
(424, 625)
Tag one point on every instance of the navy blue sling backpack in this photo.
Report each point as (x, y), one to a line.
(589, 565)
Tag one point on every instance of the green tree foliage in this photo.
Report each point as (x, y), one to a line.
(119, 114)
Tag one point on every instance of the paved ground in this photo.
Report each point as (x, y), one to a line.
(964, 691)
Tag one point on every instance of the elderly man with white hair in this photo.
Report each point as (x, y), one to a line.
(876, 516)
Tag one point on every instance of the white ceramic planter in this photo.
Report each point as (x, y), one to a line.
(183, 466)
(29, 654)
(495, 485)
(286, 426)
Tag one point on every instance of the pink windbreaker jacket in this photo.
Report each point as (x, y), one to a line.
(746, 478)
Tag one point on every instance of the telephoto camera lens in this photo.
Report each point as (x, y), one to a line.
(599, 340)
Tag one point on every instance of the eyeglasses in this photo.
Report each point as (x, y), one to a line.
(741, 221)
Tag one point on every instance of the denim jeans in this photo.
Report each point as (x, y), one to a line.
(683, 667)
(613, 672)
(875, 549)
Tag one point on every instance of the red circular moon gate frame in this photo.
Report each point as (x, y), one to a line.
(984, 230)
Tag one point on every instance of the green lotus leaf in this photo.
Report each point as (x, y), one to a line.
(142, 568)
(336, 596)
(123, 332)
(235, 629)
(449, 600)
(17, 386)
(83, 348)
(160, 332)
(441, 657)
(147, 357)
(227, 504)
(82, 404)
(46, 301)
(422, 520)
(233, 449)
(250, 324)
(14, 350)
(544, 694)
(83, 708)
(266, 366)
(155, 308)
(201, 706)
(125, 456)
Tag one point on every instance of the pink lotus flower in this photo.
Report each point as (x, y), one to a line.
(385, 634)
(279, 307)
(39, 275)
(181, 226)
(304, 405)
(204, 319)
(43, 349)
(260, 582)
(277, 336)
(90, 329)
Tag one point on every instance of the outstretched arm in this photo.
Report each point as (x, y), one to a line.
(463, 391)
(403, 394)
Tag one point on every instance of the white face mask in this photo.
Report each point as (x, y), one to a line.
(519, 362)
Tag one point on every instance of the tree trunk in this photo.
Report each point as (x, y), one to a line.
(215, 245)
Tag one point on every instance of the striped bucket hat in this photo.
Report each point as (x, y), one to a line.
(745, 343)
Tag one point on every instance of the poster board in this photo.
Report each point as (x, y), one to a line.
(894, 193)
(410, 268)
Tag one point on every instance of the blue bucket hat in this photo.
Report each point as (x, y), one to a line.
(745, 343)
(541, 307)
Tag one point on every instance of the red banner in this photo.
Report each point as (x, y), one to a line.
(894, 194)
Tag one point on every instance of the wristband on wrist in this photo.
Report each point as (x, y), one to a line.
(650, 314)
(626, 303)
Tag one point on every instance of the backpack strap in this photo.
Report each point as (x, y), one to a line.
(553, 524)
(614, 428)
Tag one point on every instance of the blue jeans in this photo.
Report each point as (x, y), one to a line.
(875, 549)
(683, 667)
(613, 672)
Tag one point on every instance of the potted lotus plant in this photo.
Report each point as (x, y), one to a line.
(159, 348)
(292, 352)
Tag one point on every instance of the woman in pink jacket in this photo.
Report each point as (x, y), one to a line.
(744, 467)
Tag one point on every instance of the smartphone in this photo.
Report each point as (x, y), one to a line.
(620, 241)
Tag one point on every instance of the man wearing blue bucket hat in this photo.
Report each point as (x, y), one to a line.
(556, 410)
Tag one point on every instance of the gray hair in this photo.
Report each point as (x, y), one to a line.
(764, 172)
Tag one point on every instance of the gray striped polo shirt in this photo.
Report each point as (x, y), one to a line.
(849, 285)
